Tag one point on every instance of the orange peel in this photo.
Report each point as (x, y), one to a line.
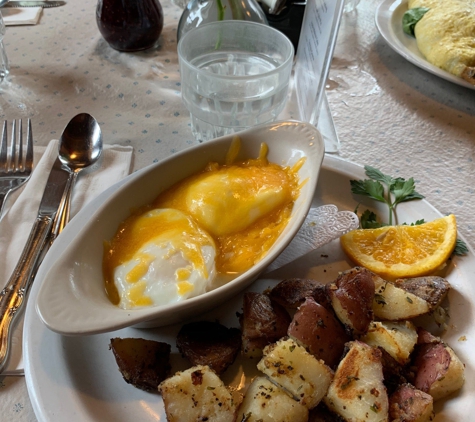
(403, 251)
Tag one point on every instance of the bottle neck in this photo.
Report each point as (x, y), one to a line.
(199, 12)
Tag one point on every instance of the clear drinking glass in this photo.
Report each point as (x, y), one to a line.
(4, 66)
(350, 5)
(180, 3)
(234, 75)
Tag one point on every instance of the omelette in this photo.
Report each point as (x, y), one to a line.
(446, 35)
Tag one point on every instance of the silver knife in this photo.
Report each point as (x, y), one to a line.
(44, 4)
(13, 296)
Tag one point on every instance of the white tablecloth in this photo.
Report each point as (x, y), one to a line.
(388, 113)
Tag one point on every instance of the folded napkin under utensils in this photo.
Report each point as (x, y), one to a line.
(44, 231)
(13, 296)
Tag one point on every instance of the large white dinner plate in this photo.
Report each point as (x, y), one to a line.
(76, 378)
(388, 18)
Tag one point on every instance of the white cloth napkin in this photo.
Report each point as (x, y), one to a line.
(21, 15)
(22, 207)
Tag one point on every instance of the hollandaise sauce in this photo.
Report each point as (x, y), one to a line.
(210, 227)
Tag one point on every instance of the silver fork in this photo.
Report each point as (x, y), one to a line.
(16, 163)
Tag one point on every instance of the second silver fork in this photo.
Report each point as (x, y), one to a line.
(16, 162)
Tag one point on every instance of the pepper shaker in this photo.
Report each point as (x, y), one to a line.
(130, 25)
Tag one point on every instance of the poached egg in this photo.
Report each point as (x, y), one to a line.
(201, 232)
(158, 257)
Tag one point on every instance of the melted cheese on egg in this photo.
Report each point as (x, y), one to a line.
(205, 229)
(230, 199)
(158, 257)
(244, 206)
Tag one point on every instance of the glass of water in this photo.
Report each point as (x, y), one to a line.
(234, 75)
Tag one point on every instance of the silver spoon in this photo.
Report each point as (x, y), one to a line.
(80, 146)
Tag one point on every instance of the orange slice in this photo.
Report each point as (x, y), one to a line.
(403, 251)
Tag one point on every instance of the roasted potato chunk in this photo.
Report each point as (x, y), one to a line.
(209, 343)
(317, 328)
(262, 322)
(197, 394)
(439, 372)
(408, 404)
(142, 363)
(266, 402)
(352, 296)
(357, 392)
(291, 293)
(297, 371)
(397, 338)
(322, 414)
(394, 373)
(432, 289)
(392, 303)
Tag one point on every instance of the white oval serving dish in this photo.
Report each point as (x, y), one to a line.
(72, 298)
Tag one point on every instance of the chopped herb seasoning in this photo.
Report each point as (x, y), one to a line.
(349, 380)
(380, 299)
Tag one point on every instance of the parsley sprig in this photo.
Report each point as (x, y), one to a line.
(460, 248)
(391, 191)
(384, 188)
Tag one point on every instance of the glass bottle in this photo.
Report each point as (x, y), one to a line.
(198, 12)
(130, 25)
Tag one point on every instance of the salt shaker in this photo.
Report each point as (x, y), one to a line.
(4, 67)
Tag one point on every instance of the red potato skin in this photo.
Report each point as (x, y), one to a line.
(425, 337)
(432, 289)
(262, 321)
(209, 343)
(292, 292)
(432, 362)
(142, 363)
(407, 403)
(394, 373)
(319, 331)
(354, 289)
(437, 369)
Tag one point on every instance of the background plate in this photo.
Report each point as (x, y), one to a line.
(76, 378)
(389, 23)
